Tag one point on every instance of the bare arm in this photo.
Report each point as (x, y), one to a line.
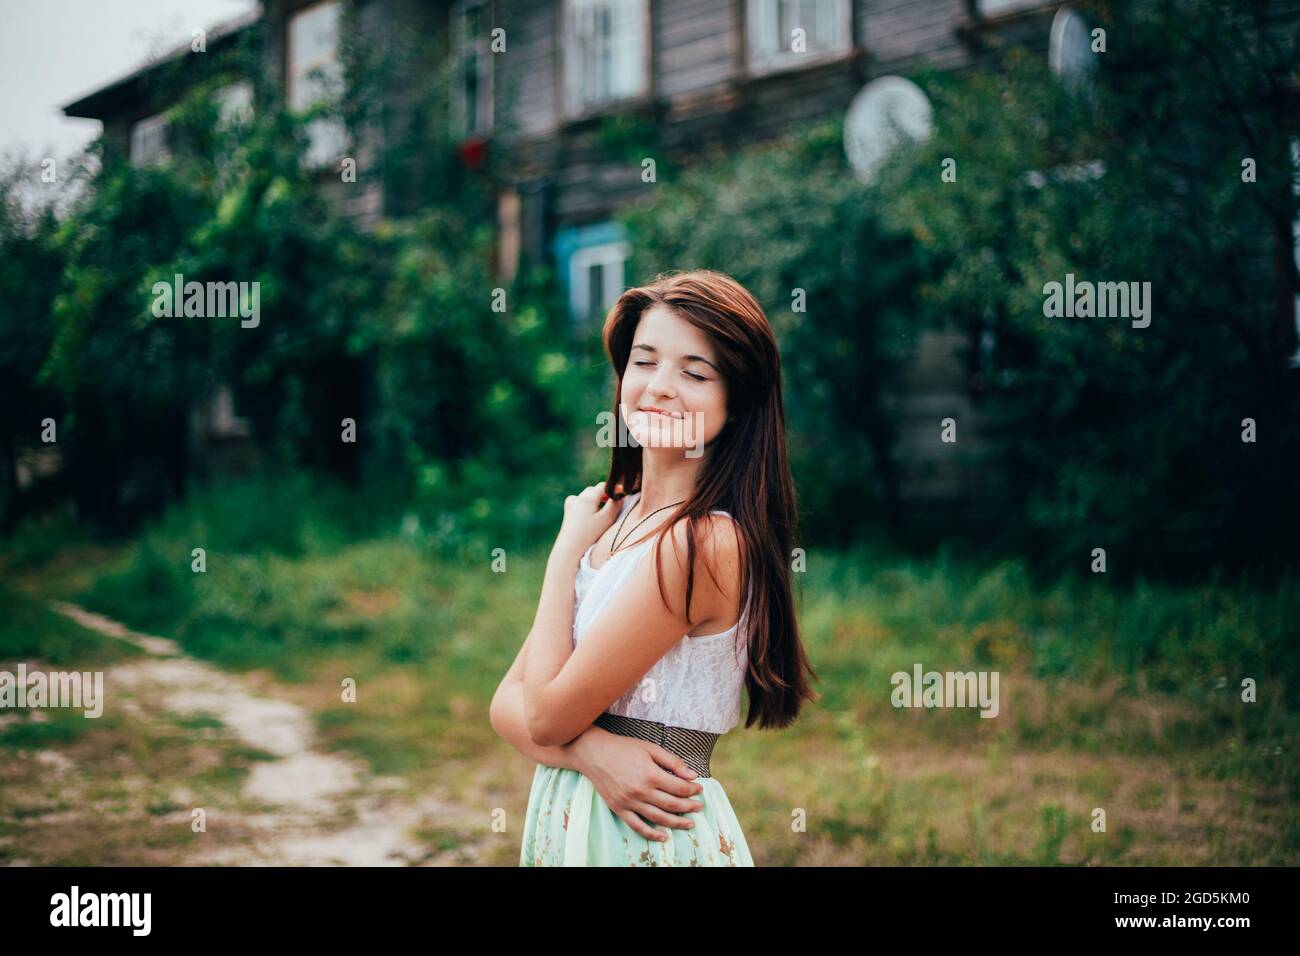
(567, 687)
(638, 780)
(510, 722)
(507, 717)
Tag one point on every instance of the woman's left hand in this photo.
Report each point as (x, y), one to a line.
(587, 515)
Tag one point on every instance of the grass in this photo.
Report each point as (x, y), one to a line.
(30, 630)
(1120, 707)
(117, 791)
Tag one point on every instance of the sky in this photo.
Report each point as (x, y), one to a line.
(53, 52)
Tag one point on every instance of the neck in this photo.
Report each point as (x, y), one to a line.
(667, 476)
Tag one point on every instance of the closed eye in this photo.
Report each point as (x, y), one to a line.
(699, 378)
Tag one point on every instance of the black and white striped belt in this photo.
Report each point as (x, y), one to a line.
(693, 746)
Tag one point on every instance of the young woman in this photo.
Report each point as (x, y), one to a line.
(634, 665)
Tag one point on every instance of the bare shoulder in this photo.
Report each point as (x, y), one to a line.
(718, 559)
(717, 540)
(723, 542)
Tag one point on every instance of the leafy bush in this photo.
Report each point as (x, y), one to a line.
(790, 223)
(1118, 437)
(462, 410)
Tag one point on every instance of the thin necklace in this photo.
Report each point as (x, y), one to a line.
(612, 544)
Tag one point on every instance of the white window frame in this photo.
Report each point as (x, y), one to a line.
(328, 137)
(149, 144)
(767, 41)
(478, 51)
(614, 281)
(628, 52)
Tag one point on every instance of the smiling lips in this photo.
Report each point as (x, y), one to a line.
(659, 411)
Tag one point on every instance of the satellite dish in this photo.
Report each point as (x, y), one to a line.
(885, 112)
(1069, 52)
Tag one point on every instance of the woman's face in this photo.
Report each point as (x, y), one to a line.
(673, 394)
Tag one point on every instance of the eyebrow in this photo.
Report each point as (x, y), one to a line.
(686, 358)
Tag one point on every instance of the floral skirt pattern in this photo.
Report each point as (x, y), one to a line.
(568, 824)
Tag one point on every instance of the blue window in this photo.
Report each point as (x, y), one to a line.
(590, 262)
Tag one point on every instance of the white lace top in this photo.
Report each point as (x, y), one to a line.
(697, 684)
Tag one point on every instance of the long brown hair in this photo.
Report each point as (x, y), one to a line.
(746, 472)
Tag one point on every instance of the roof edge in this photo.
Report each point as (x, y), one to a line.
(92, 105)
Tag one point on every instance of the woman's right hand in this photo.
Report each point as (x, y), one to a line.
(638, 779)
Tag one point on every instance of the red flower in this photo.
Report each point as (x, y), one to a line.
(473, 152)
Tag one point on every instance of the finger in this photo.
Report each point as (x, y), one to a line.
(681, 779)
(635, 822)
(663, 818)
(671, 783)
(672, 804)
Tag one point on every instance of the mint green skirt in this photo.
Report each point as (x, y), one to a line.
(568, 824)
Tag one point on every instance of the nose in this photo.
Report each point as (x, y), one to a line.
(661, 382)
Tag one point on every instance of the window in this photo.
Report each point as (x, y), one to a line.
(315, 76)
(149, 141)
(774, 43)
(591, 262)
(235, 103)
(596, 281)
(604, 52)
(472, 22)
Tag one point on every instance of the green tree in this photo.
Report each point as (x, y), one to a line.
(29, 272)
(1121, 437)
(790, 223)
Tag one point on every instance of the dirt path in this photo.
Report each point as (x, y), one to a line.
(301, 807)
